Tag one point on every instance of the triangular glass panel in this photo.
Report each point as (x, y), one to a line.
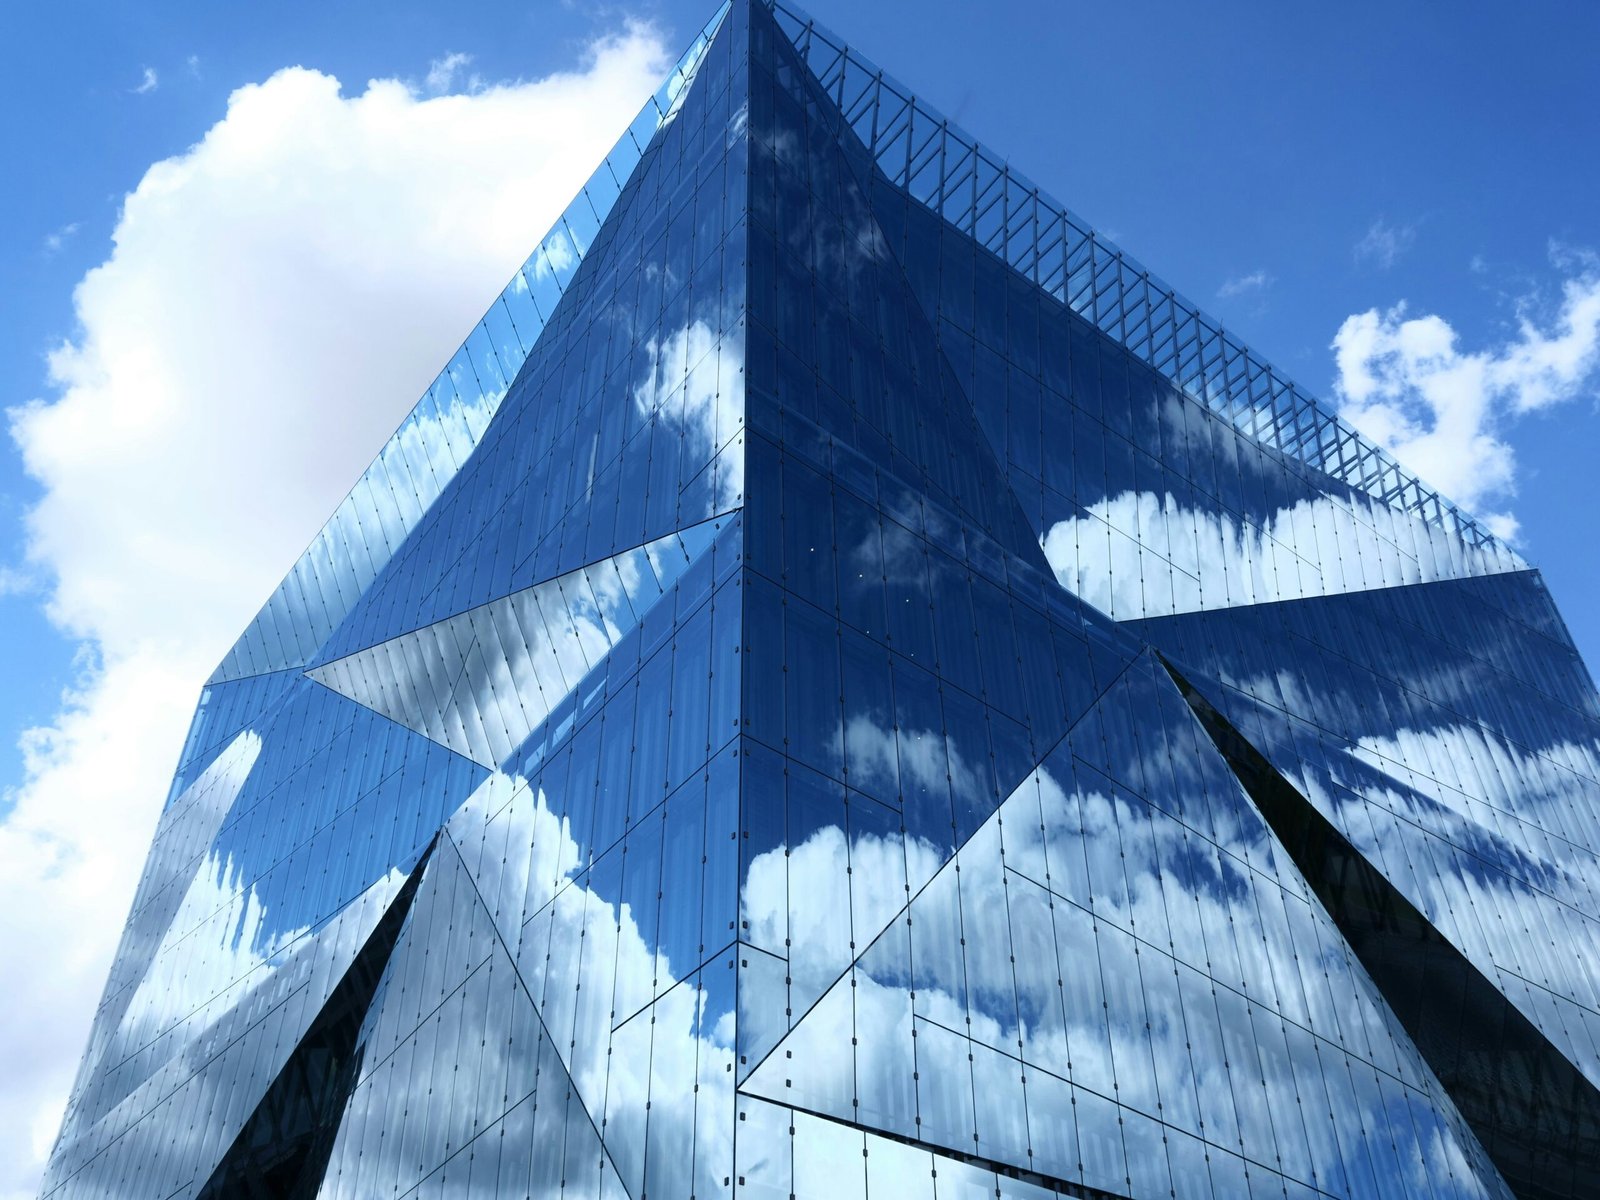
(1532, 1109)
(232, 902)
(240, 1043)
(504, 1117)
(837, 346)
(284, 1146)
(186, 830)
(481, 681)
(225, 710)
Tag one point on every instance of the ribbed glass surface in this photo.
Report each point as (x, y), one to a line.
(847, 688)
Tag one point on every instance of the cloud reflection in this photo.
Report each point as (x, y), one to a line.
(1141, 554)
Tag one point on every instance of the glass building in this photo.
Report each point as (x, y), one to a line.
(847, 686)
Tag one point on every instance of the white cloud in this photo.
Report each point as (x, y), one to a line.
(1256, 281)
(56, 239)
(1406, 382)
(17, 581)
(1383, 243)
(276, 298)
(149, 83)
(557, 256)
(442, 73)
(1145, 554)
(695, 379)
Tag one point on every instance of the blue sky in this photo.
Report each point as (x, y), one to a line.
(1288, 167)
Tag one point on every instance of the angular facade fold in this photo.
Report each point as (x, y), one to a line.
(847, 686)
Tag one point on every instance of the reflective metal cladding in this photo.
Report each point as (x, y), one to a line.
(846, 686)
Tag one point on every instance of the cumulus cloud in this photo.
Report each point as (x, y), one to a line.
(1407, 382)
(1383, 243)
(148, 83)
(276, 298)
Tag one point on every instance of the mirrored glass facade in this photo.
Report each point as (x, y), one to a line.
(846, 687)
